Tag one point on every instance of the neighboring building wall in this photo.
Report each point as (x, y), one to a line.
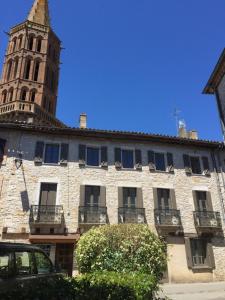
(21, 189)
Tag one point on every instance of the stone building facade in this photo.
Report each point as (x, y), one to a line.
(96, 177)
(56, 182)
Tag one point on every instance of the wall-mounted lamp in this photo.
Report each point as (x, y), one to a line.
(18, 161)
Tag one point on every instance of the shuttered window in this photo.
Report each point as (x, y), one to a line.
(199, 252)
(93, 156)
(51, 153)
(195, 165)
(48, 194)
(129, 197)
(160, 164)
(2, 149)
(128, 159)
(92, 195)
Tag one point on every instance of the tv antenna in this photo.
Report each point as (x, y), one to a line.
(176, 116)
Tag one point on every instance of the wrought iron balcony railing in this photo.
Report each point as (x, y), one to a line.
(92, 215)
(46, 214)
(167, 217)
(131, 215)
(207, 219)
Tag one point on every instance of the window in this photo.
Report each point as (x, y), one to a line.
(199, 252)
(30, 42)
(2, 149)
(160, 164)
(129, 197)
(160, 161)
(32, 95)
(14, 44)
(201, 201)
(92, 195)
(51, 154)
(11, 94)
(92, 156)
(27, 69)
(163, 199)
(4, 96)
(9, 70)
(127, 159)
(16, 66)
(195, 165)
(44, 265)
(36, 70)
(4, 264)
(20, 41)
(24, 263)
(39, 44)
(23, 96)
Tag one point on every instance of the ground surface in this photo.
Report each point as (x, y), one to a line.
(194, 291)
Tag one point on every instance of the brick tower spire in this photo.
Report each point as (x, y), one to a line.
(40, 13)
(29, 83)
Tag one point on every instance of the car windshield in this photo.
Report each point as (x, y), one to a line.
(4, 264)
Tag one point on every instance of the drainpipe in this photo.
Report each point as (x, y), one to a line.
(219, 170)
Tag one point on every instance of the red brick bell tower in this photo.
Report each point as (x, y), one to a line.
(29, 83)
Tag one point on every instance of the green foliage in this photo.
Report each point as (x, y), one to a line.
(121, 248)
(92, 286)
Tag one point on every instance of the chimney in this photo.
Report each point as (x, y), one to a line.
(83, 121)
(182, 130)
(193, 135)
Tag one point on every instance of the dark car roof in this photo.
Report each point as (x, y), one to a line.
(18, 246)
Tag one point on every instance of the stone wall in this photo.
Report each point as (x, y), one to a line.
(21, 187)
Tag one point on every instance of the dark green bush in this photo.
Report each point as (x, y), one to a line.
(93, 286)
(121, 248)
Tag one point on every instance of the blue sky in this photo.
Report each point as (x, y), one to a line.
(129, 63)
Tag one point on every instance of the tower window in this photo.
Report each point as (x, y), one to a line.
(16, 66)
(39, 44)
(9, 70)
(4, 96)
(23, 94)
(31, 42)
(11, 94)
(20, 41)
(14, 44)
(27, 69)
(36, 71)
(32, 95)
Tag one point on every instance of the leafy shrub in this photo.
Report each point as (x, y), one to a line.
(92, 286)
(121, 248)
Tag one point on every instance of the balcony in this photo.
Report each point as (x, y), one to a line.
(92, 215)
(46, 214)
(30, 108)
(207, 220)
(131, 215)
(168, 219)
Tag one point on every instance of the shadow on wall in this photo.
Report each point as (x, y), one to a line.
(25, 201)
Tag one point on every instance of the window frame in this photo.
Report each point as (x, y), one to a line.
(206, 260)
(200, 164)
(133, 151)
(165, 161)
(88, 204)
(44, 154)
(129, 206)
(99, 156)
